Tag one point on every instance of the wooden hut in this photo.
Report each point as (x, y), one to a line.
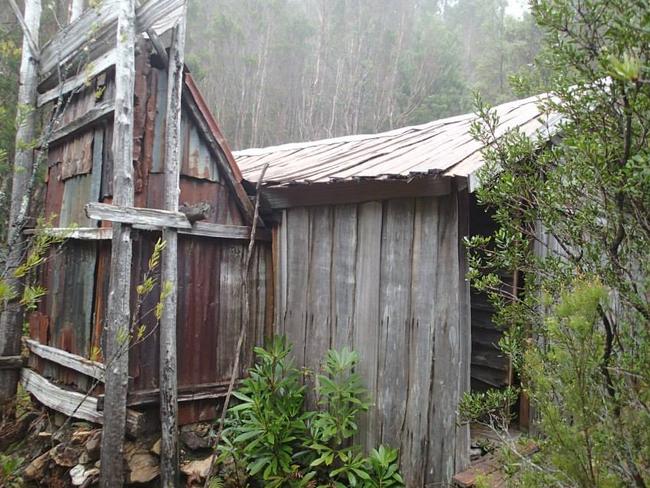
(368, 254)
(66, 332)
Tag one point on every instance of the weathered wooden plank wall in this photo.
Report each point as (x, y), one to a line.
(387, 279)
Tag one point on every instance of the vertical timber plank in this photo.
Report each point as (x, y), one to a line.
(464, 329)
(394, 296)
(442, 410)
(366, 313)
(298, 256)
(413, 447)
(317, 336)
(118, 314)
(343, 275)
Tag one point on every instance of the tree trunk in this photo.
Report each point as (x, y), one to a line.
(11, 314)
(169, 472)
(119, 313)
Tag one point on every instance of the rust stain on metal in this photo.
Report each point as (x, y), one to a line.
(54, 193)
(102, 277)
(197, 159)
(77, 156)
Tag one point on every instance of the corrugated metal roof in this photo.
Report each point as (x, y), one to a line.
(443, 147)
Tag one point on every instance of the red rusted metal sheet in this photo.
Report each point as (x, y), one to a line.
(198, 411)
(54, 194)
(197, 160)
(144, 356)
(224, 208)
(102, 276)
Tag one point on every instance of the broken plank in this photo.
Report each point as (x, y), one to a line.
(66, 359)
(83, 123)
(75, 404)
(136, 215)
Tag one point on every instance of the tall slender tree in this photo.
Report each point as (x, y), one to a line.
(11, 313)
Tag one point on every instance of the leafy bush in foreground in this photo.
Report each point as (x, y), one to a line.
(271, 439)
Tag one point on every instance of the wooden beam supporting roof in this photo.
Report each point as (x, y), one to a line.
(355, 191)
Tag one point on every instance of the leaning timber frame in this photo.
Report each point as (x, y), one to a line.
(98, 42)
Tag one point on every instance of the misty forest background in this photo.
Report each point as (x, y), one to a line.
(277, 71)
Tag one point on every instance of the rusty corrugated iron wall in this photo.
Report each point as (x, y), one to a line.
(210, 270)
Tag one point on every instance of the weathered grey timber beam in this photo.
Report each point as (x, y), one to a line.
(77, 233)
(75, 404)
(137, 216)
(192, 393)
(169, 451)
(76, 9)
(83, 123)
(206, 229)
(66, 359)
(199, 229)
(99, 65)
(118, 311)
(354, 191)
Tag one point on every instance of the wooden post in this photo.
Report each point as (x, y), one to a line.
(11, 314)
(76, 9)
(169, 471)
(118, 313)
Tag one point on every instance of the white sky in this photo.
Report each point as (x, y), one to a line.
(516, 8)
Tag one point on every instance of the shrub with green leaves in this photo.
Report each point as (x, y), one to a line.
(271, 439)
(572, 216)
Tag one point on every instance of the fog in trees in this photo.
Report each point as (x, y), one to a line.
(292, 70)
